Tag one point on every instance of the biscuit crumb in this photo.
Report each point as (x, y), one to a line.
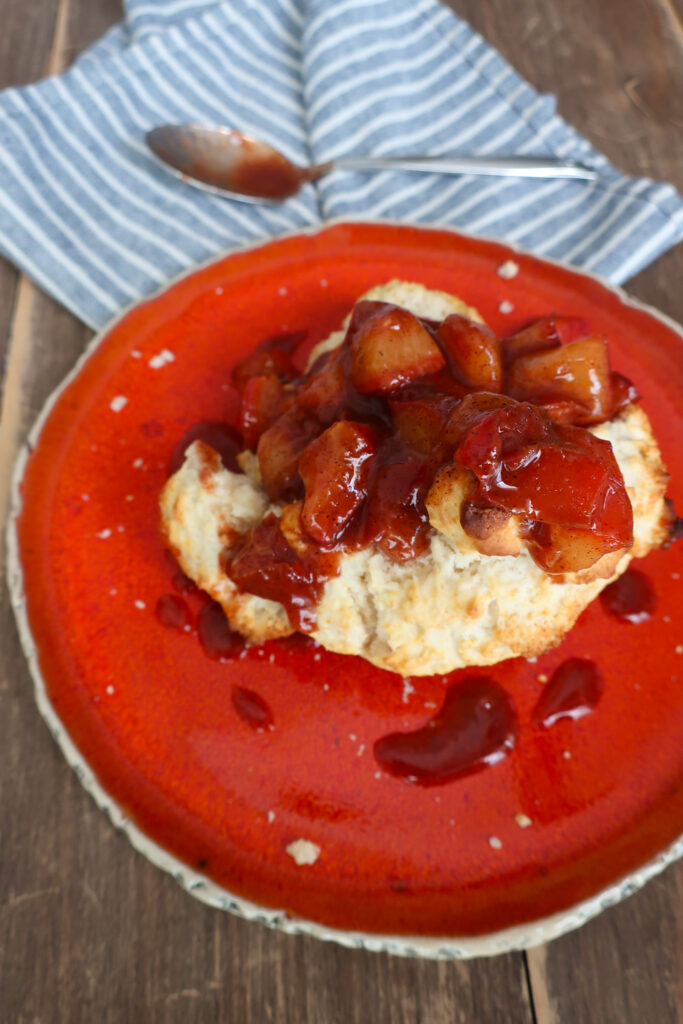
(679, 648)
(161, 358)
(508, 269)
(141, 605)
(118, 403)
(542, 677)
(303, 851)
(566, 754)
(523, 820)
(506, 306)
(271, 817)
(495, 842)
(103, 534)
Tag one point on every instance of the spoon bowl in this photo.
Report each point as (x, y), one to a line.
(230, 163)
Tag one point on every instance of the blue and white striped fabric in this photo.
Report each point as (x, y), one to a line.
(91, 217)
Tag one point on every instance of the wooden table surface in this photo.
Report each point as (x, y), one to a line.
(89, 930)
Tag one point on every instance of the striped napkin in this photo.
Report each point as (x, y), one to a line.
(88, 214)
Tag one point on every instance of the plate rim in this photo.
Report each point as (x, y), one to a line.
(512, 939)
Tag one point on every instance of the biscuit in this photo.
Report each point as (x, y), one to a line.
(452, 607)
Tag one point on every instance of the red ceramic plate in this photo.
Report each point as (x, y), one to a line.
(148, 718)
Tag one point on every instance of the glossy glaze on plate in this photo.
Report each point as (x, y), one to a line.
(155, 718)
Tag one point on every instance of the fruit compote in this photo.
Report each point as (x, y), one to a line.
(350, 449)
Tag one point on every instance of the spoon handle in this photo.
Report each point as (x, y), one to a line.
(506, 166)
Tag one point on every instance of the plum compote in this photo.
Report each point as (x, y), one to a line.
(349, 450)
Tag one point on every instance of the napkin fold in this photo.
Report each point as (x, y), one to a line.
(90, 215)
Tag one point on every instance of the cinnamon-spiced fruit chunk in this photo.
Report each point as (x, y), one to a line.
(335, 469)
(390, 348)
(424, 495)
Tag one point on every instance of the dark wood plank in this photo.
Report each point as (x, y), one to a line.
(624, 966)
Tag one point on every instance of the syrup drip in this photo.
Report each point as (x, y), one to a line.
(220, 436)
(172, 612)
(252, 709)
(574, 689)
(631, 598)
(179, 581)
(183, 583)
(215, 635)
(475, 727)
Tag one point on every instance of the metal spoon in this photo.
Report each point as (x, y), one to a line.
(232, 164)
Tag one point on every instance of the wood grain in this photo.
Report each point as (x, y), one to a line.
(89, 931)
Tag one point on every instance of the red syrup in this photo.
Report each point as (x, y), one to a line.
(252, 709)
(215, 635)
(574, 689)
(179, 581)
(220, 436)
(631, 598)
(173, 612)
(474, 727)
(183, 583)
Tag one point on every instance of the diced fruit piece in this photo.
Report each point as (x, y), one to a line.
(538, 336)
(473, 353)
(391, 348)
(563, 412)
(441, 383)
(420, 421)
(362, 311)
(534, 482)
(466, 412)
(261, 405)
(396, 517)
(571, 328)
(278, 452)
(624, 392)
(578, 372)
(323, 393)
(272, 356)
(559, 475)
(335, 469)
(544, 333)
(559, 549)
